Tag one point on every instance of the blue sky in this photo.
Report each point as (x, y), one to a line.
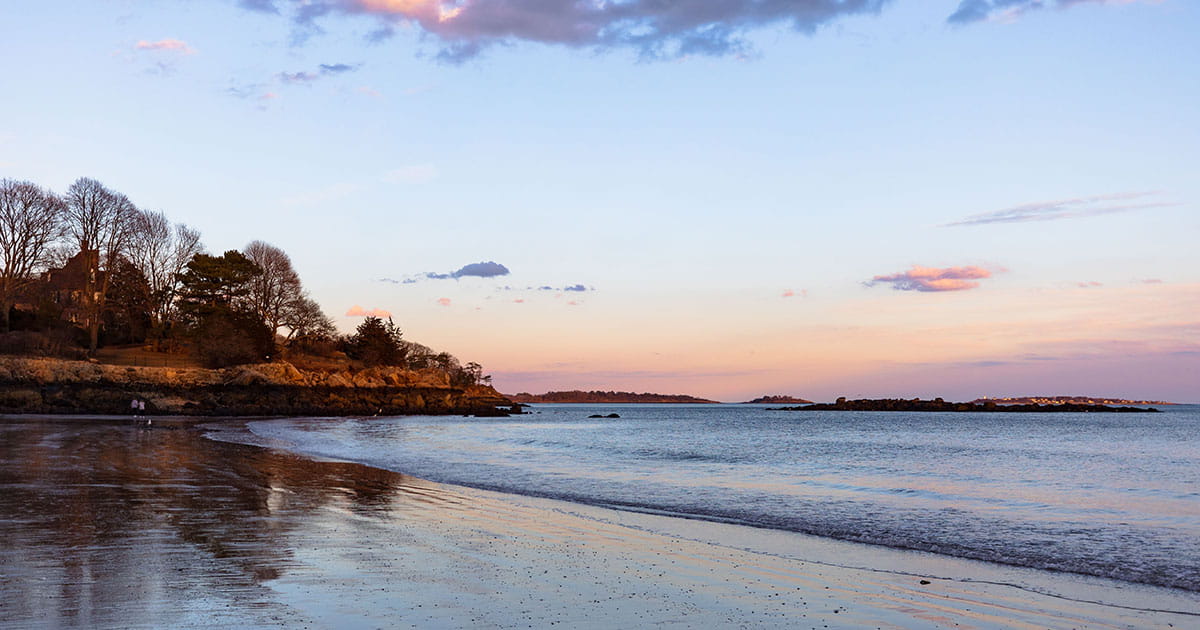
(689, 194)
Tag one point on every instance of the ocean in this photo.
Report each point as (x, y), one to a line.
(1108, 495)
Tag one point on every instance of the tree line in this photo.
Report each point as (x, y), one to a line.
(91, 267)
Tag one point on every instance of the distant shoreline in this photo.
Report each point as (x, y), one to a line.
(939, 405)
(1060, 400)
(610, 397)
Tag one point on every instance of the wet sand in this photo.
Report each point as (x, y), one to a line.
(103, 524)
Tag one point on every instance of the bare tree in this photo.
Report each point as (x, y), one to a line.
(187, 246)
(278, 287)
(161, 252)
(31, 220)
(304, 319)
(100, 222)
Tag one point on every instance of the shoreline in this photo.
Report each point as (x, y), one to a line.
(283, 539)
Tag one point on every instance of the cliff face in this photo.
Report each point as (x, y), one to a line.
(56, 386)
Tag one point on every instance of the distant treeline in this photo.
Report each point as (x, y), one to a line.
(939, 405)
(577, 396)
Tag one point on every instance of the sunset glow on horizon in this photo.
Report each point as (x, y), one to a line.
(958, 198)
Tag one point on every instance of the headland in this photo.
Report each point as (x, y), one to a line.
(56, 386)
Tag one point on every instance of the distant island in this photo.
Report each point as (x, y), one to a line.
(1060, 400)
(937, 404)
(577, 396)
(777, 400)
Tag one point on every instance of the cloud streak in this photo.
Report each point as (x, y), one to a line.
(1076, 208)
(486, 269)
(169, 45)
(971, 11)
(933, 279)
(358, 311)
(655, 29)
(322, 71)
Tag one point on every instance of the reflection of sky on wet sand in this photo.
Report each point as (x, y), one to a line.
(114, 525)
(106, 525)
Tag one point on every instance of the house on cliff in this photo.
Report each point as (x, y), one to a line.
(67, 289)
(73, 286)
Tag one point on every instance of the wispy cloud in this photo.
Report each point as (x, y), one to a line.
(933, 279)
(358, 311)
(265, 6)
(1090, 284)
(1066, 209)
(971, 11)
(547, 288)
(444, 301)
(487, 269)
(788, 293)
(169, 45)
(323, 70)
(653, 28)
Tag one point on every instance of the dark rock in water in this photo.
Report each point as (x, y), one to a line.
(611, 415)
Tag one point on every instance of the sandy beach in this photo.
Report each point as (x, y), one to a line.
(104, 524)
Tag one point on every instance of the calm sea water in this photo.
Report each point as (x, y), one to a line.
(1112, 495)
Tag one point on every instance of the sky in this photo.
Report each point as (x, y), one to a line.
(866, 198)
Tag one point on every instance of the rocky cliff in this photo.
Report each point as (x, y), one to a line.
(55, 386)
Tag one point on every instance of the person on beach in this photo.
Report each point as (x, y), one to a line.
(133, 405)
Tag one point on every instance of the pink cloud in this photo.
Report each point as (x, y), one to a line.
(444, 301)
(572, 303)
(934, 279)
(358, 311)
(518, 301)
(654, 29)
(790, 293)
(1152, 281)
(171, 45)
(1090, 284)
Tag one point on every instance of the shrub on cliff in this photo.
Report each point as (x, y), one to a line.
(377, 342)
(220, 320)
(232, 338)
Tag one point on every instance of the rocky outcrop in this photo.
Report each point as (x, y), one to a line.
(56, 386)
(777, 400)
